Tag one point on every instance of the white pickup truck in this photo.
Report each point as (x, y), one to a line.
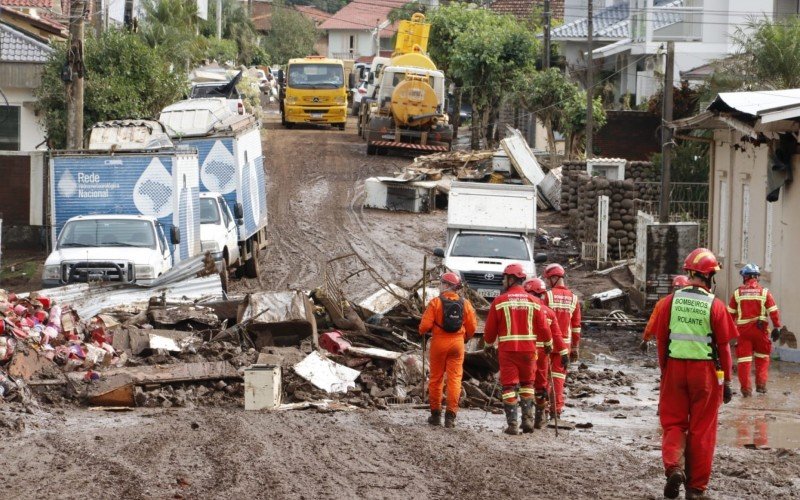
(115, 248)
(490, 226)
(219, 231)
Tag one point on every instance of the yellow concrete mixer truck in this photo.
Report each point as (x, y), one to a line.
(408, 113)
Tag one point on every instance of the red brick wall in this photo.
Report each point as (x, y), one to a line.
(628, 134)
(15, 190)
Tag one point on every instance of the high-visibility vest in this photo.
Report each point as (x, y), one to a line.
(760, 297)
(690, 324)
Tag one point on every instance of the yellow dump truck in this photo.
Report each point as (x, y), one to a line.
(408, 112)
(314, 91)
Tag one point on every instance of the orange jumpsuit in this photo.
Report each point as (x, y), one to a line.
(517, 321)
(649, 332)
(447, 351)
(749, 307)
(690, 397)
(568, 310)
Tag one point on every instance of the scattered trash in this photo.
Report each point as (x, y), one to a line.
(325, 374)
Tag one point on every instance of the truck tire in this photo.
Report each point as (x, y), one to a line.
(251, 269)
(372, 150)
(341, 126)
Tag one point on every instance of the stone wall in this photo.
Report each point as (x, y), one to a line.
(579, 193)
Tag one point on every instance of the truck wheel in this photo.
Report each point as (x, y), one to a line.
(341, 126)
(251, 269)
(372, 150)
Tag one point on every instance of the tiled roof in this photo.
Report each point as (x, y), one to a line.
(38, 4)
(523, 9)
(44, 23)
(362, 15)
(313, 13)
(15, 46)
(613, 23)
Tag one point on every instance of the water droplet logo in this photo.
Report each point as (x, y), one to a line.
(218, 172)
(67, 187)
(152, 193)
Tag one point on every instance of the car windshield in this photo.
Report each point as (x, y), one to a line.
(107, 233)
(490, 246)
(208, 211)
(315, 76)
(221, 90)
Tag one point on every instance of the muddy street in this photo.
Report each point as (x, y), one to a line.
(315, 195)
(610, 446)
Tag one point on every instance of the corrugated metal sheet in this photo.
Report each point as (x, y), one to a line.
(130, 183)
(88, 300)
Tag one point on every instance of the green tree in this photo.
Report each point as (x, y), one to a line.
(237, 27)
(447, 23)
(406, 11)
(543, 93)
(124, 79)
(574, 125)
(486, 56)
(770, 54)
(292, 35)
(170, 27)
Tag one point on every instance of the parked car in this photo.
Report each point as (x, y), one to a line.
(226, 90)
(358, 94)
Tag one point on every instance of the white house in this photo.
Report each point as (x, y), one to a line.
(361, 29)
(753, 203)
(22, 57)
(629, 37)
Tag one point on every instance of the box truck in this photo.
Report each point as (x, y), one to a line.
(126, 214)
(490, 226)
(231, 165)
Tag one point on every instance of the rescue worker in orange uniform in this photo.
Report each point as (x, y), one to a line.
(517, 321)
(692, 332)
(678, 282)
(749, 307)
(560, 353)
(451, 320)
(568, 310)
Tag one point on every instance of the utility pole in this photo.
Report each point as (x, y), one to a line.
(97, 17)
(73, 75)
(547, 16)
(666, 134)
(590, 83)
(219, 19)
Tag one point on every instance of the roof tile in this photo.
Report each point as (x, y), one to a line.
(361, 15)
(523, 9)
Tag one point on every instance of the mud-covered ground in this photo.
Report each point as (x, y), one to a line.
(315, 194)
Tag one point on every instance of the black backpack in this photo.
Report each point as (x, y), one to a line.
(452, 314)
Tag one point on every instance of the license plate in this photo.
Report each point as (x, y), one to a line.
(488, 292)
(316, 115)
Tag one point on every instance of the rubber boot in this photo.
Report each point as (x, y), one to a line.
(435, 418)
(692, 494)
(527, 415)
(449, 419)
(674, 481)
(511, 419)
(538, 418)
(761, 389)
(746, 393)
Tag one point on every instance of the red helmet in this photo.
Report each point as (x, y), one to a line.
(535, 285)
(701, 260)
(680, 281)
(451, 279)
(515, 270)
(554, 270)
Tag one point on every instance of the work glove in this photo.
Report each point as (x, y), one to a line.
(573, 356)
(643, 347)
(727, 395)
(548, 349)
(776, 334)
(564, 361)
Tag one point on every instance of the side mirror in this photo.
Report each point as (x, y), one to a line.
(175, 235)
(371, 79)
(238, 211)
(281, 77)
(240, 222)
(539, 258)
(438, 252)
(351, 80)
